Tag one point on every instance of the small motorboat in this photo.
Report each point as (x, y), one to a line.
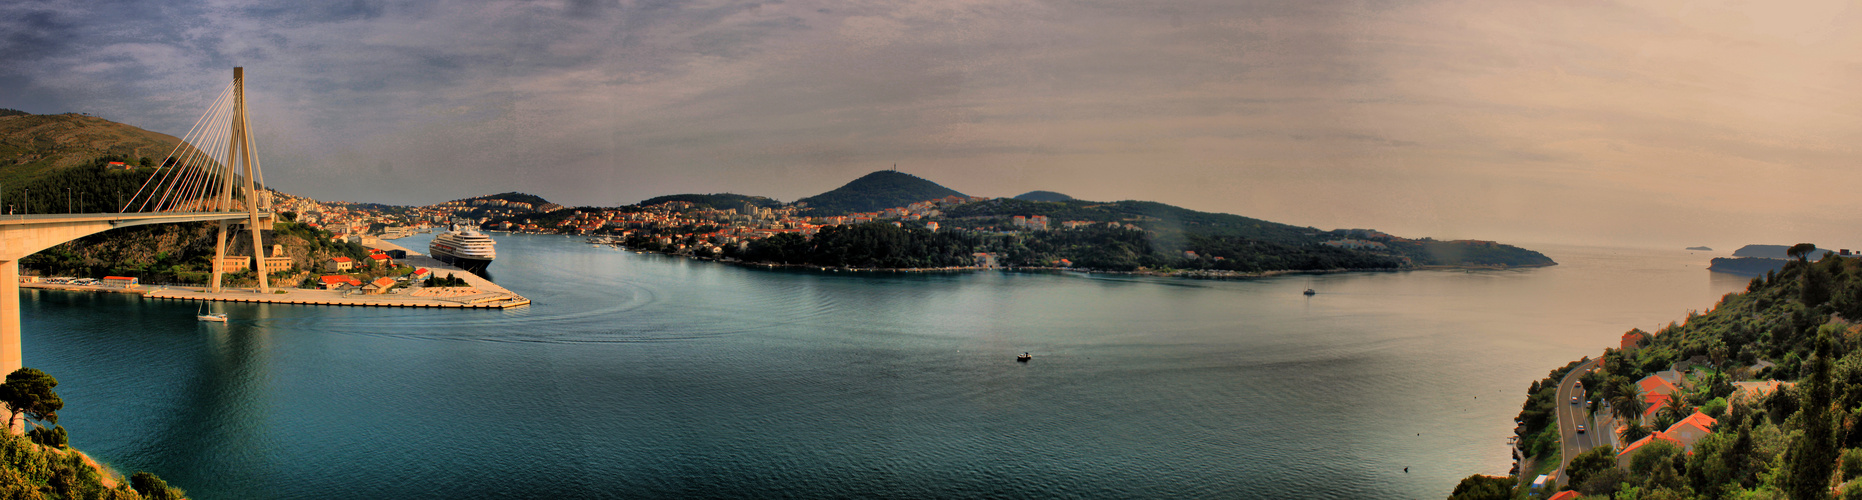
(203, 315)
(1310, 293)
(1024, 357)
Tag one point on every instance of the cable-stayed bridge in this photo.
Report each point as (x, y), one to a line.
(212, 175)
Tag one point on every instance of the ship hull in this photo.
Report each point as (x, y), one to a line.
(468, 264)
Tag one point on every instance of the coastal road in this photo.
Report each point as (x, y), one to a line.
(1570, 415)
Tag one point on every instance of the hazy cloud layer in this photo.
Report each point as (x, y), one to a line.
(1640, 122)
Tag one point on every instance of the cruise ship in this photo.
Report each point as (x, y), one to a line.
(468, 249)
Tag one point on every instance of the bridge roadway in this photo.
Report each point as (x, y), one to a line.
(23, 235)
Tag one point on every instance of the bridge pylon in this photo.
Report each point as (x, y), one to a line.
(239, 159)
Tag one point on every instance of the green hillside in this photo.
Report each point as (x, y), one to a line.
(874, 192)
(34, 146)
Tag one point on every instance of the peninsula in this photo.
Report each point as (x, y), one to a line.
(892, 220)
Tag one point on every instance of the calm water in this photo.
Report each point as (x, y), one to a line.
(649, 376)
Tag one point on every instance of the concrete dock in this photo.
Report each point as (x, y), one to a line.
(482, 294)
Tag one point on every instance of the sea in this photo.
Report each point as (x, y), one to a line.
(652, 376)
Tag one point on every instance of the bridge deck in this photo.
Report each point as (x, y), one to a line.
(141, 218)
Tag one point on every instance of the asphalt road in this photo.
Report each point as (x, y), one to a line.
(1570, 415)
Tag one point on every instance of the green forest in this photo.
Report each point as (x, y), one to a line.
(1801, 441)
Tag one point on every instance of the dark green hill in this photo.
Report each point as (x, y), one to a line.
(34, 146)
(511, 196)
(1746, 266)
(1043, 196)
(715, 200)
(1167, 220)
(876, 191)
(1174, 229)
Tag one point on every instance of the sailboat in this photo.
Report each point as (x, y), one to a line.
(203, 315)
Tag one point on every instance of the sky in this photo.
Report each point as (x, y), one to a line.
(1657, 123)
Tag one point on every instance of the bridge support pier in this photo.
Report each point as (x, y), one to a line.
(219, 254)
(11, 357)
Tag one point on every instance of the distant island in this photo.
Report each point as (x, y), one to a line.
(1760, 260)
(1700, 249)
(1775, 252)
(1746, 266)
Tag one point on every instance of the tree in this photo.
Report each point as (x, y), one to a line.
(1633, 431)
(1628, 405)
(1812, 458)
(152, 487)
(1589, 463)
(1483, 487)
(1672, 411)
(1800, 251)
(29, 391)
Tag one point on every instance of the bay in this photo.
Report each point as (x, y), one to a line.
(639, 375)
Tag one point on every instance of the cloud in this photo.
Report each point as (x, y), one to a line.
(1603, 120)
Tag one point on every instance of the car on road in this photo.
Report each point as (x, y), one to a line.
(1580, 428)
(1574, 400)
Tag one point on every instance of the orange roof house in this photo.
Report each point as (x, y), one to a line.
(334, 281)
(1623, 457)
(1565, 495)
(1655, 384)
(1691, 429)
(380, 285)
(1653, 403)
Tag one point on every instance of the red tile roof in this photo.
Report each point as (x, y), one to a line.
(1565, 495)
(1646, 440)
(1656, 385)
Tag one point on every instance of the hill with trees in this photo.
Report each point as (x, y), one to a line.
(874, 192)
(510, 196)
(1794, 433)
(33, 146)
(717, 200)
(1043, 196)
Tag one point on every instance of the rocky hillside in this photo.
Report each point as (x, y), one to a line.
(177, 253)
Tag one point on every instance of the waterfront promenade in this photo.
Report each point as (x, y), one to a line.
(481, 294)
